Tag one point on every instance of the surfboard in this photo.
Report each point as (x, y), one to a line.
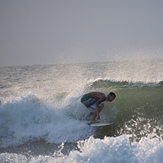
(100, 124)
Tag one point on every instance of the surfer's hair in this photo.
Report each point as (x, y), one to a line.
(112, 94)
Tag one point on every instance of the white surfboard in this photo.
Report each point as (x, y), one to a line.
(100, 124)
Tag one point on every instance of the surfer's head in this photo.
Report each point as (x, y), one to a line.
(111, 96)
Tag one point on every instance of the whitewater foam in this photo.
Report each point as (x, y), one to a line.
(109, 149)
(28, 119)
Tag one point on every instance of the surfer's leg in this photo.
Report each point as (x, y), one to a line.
(101, 107)
(89, 102)
(95, 114)
(90, 114)
(87, 116)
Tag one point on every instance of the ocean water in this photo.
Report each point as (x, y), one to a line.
(41, 114)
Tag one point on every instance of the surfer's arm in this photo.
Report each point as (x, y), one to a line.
(99, 106)
(96, 115)
(102, 99)
(98, 109)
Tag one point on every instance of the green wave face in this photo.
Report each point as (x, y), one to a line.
(137, 109)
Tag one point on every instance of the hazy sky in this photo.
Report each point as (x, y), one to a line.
(64, 31)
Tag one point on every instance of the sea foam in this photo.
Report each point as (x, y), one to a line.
(109, 149)
(28, 119)
(114, 150)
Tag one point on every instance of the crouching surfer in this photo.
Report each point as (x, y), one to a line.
(94, 102)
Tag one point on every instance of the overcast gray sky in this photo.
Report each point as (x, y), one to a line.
(65, 31)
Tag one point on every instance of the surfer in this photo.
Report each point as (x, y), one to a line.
(93, 101)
